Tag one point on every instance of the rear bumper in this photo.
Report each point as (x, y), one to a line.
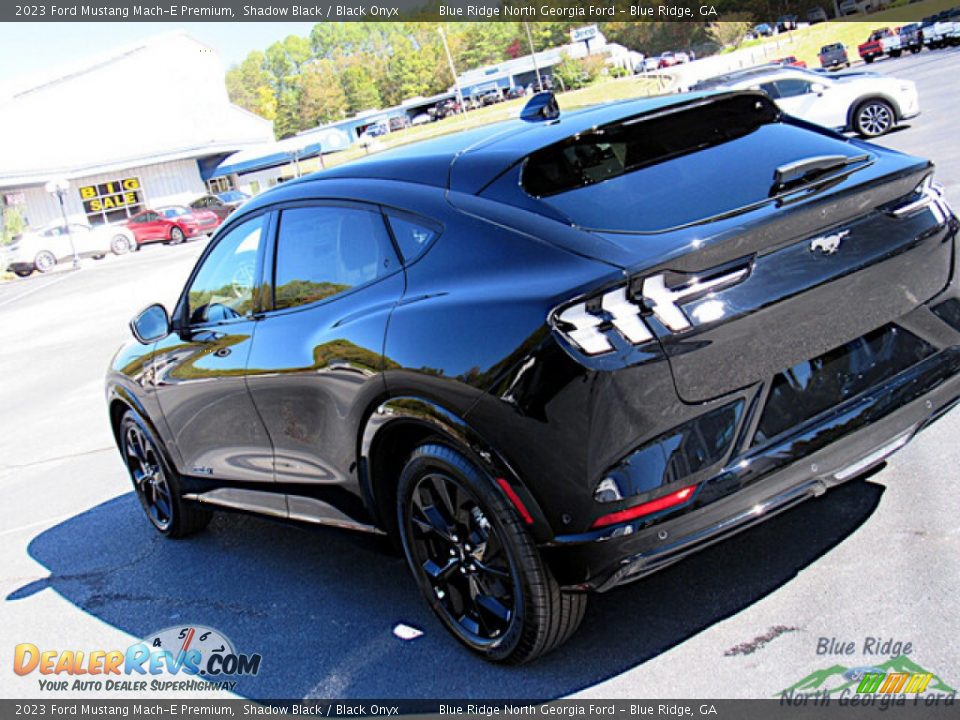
(841, 444)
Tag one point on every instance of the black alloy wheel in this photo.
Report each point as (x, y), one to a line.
(476, 564)
(155, 484)
(463, 557)
(149, 479)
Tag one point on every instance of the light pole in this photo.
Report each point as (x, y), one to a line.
(533, 55)
(59, 187)
(453, 70)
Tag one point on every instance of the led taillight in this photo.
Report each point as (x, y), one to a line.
(678, 497)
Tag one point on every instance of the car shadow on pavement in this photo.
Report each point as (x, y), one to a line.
(320, 605)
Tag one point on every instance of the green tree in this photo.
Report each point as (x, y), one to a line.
(576, 73)
(409, 72)
(359, 87)
(728, 33)
(13, 224)
(288, 121)
(249, 86)
(322, 99)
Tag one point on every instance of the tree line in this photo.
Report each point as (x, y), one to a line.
(344, 68)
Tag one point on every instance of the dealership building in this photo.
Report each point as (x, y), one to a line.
(142, 125)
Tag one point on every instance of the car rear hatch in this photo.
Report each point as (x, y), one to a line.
(755, 243)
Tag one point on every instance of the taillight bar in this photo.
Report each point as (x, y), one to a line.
(674, 499)
(930, 198)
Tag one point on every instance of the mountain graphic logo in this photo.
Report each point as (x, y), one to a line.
(837, 678)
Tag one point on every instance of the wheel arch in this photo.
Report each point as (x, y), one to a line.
(859, 103)
(119, 400)
(398, 425)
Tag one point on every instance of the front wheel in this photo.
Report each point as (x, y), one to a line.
(874, 118)
(476, 565)
(23, 272)
(120, 245)
(45, 261)
(177, 236)
(155, 482)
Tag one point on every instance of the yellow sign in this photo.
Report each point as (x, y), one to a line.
(109, 188)
(111, 195)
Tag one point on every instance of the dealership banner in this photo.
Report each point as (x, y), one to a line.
(804, 709)
(452, 10)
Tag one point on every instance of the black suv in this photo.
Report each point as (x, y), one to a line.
(555, 355)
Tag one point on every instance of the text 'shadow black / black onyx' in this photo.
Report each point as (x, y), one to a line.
(554, 355)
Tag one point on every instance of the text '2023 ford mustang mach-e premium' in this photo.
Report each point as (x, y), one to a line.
(552, 356)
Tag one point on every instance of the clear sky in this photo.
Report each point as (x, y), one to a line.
(27, 47)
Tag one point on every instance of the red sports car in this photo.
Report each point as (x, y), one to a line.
(173, 224)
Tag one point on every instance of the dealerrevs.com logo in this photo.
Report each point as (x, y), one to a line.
(178, 658)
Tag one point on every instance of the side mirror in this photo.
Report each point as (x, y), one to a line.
(818, 88)
(151, 324)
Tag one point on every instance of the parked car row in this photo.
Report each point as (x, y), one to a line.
(941, 30)
(935, 32)
(666, 60)
(41, 250)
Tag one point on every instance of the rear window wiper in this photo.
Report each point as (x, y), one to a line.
(801, 172)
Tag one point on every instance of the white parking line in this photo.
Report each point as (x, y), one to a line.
(49, 521)
(39, 287)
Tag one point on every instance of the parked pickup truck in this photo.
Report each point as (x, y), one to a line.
(944, 31)
(833, 55)
(911, 38)
(883, 41)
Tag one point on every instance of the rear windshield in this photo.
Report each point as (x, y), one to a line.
(655, 173)
(831, 48)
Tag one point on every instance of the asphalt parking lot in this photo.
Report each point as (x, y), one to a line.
(80, 567)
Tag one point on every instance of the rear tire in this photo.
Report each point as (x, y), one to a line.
(27, 272)
(156, 483)
(476, 564)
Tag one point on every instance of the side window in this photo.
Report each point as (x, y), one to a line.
(323, 251)
(770, 89)
(412, 237)
(792, 87)
(223, 287)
